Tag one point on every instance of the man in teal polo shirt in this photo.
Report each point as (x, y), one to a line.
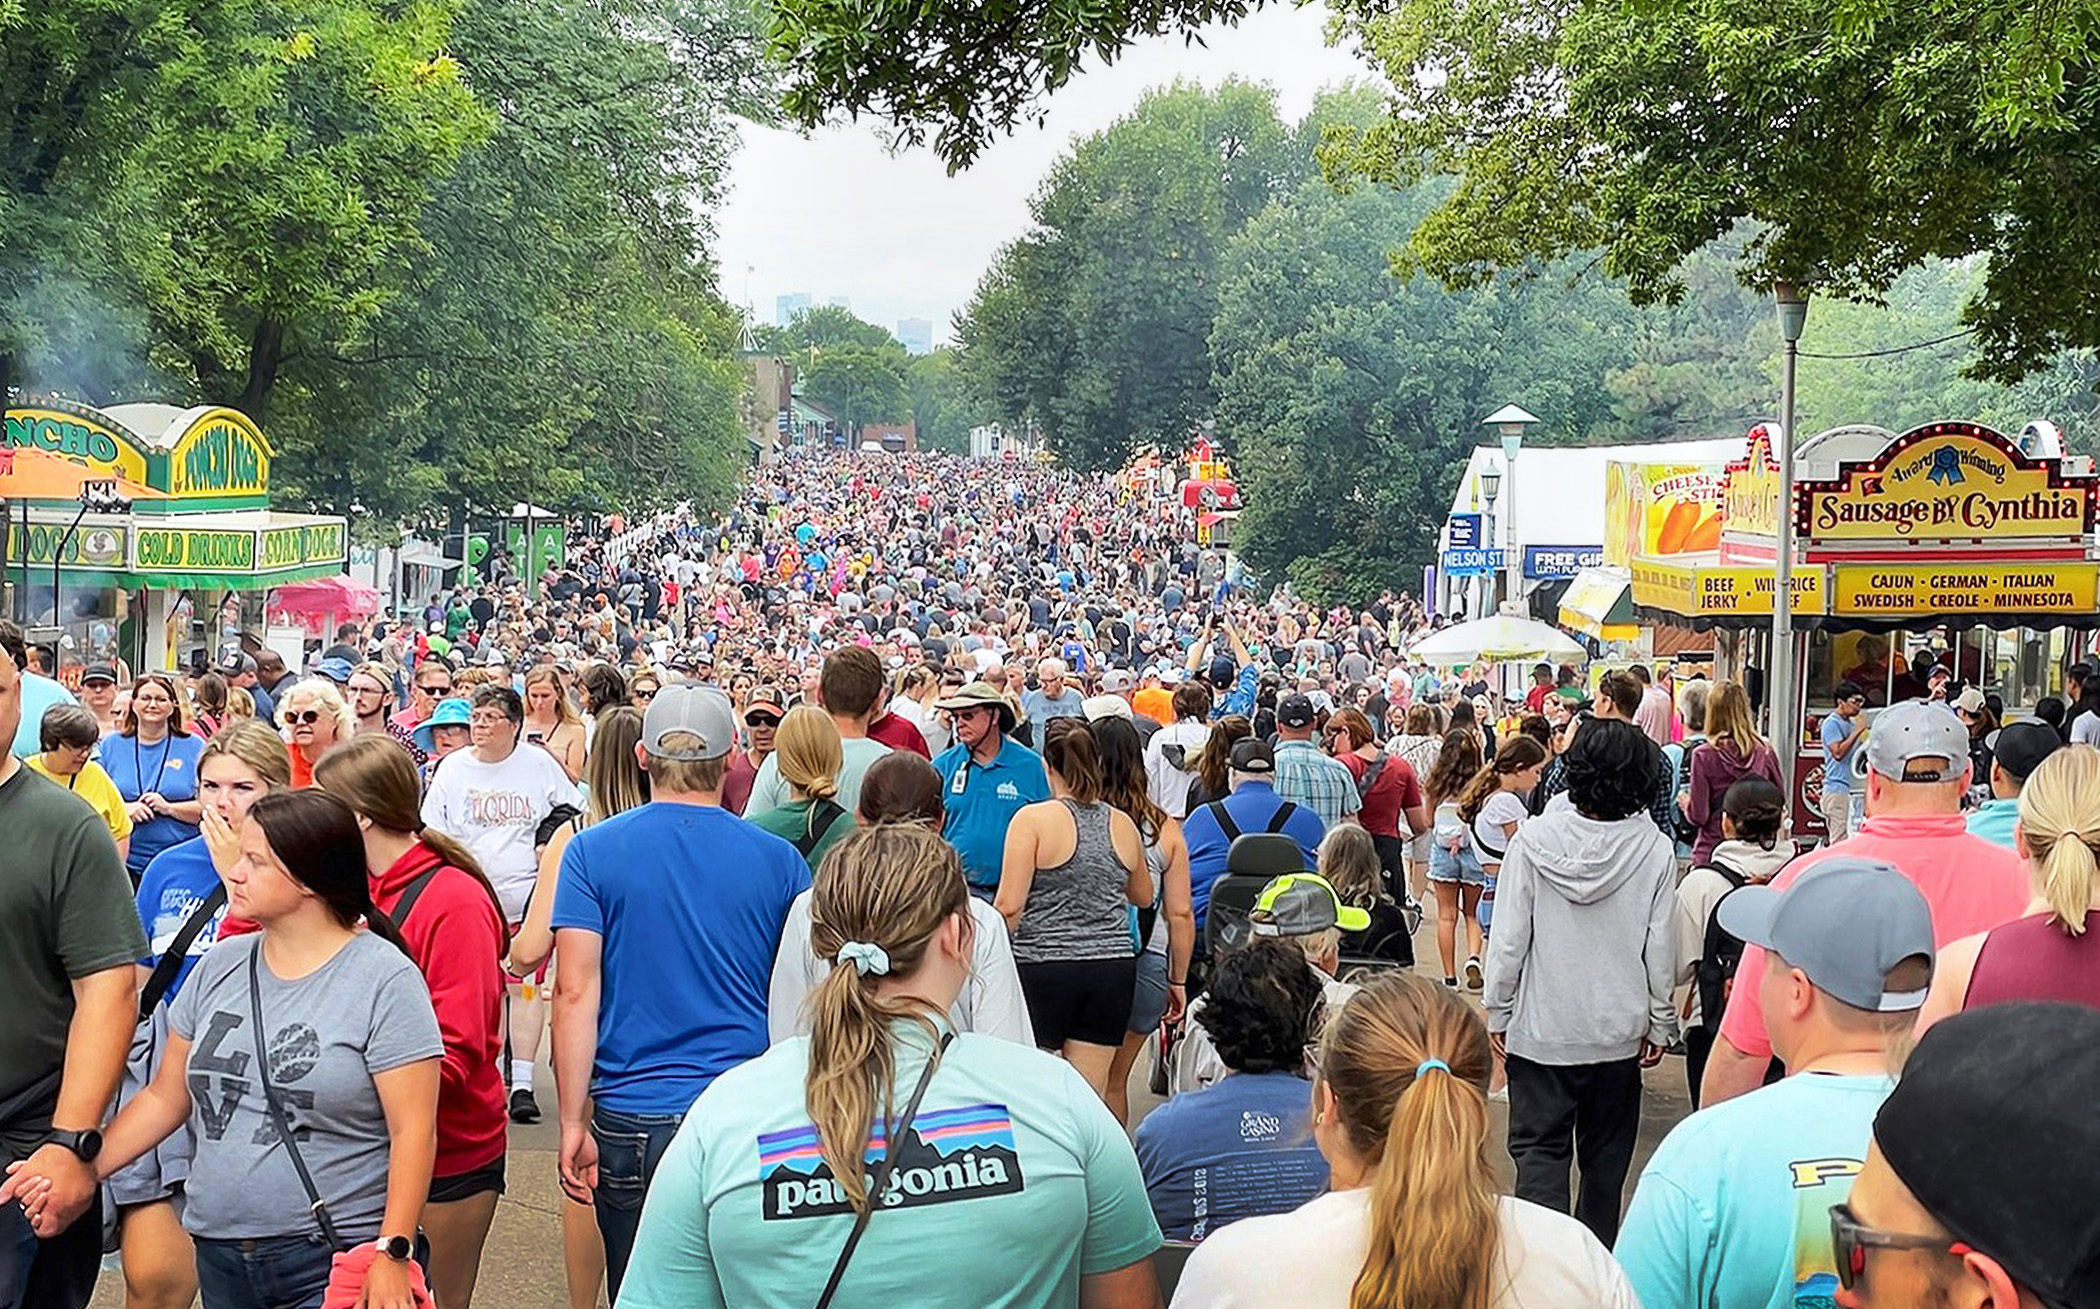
(985, 779)
(2019, 750)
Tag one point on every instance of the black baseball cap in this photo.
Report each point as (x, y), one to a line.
(2022, 746)
(98, 673)
(1253, 756)
(1992, 1130)
(1295, 711)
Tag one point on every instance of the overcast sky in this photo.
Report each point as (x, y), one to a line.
(836, 214)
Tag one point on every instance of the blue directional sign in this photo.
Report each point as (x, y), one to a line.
(1465, 532)
(1554, 561)
(1472, 563)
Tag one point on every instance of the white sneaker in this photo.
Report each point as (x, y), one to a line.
(1474, 978)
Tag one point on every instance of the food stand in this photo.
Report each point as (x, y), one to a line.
(1950, 537)
(180, 559)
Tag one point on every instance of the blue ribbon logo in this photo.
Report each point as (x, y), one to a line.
(1946, 466)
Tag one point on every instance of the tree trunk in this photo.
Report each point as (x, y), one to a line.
(265, 357)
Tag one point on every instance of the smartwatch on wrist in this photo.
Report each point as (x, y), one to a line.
(86, 1144)
(396, 1248)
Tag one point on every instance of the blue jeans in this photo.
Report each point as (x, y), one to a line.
(629, 1148)
(270, 1272)
(54, 1274)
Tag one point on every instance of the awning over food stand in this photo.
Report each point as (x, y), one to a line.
(1599, 604)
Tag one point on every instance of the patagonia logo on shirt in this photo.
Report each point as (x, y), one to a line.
(946, 1155)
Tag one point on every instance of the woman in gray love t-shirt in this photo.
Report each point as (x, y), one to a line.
(351, 1051)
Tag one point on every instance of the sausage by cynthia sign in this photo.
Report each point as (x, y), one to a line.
(1948, 481)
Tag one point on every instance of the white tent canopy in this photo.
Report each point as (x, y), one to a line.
(1498, 639)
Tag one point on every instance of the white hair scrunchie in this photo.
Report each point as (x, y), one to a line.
(866, 956)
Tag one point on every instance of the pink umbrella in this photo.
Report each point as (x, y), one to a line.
(324, 602)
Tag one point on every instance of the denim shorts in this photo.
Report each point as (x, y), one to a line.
(1461, 866)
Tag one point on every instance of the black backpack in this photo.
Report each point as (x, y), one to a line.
(1683, 830)
(1720, 954)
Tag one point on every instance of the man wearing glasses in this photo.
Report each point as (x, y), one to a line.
(433, 682)
(761, 716)
(1978, 1185)
(1732, 1210)
(1842, 731)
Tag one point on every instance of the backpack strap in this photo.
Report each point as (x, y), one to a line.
(410, 894)
(1280, 818)
(821, 818)
(1369, 777)
(1224, 819)
(170, 961)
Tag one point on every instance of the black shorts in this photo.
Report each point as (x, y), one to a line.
(1086, 1000)
(465, 1186)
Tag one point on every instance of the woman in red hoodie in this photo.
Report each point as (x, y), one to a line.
(453, 923)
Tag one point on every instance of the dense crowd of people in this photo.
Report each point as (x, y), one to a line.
(883, 829)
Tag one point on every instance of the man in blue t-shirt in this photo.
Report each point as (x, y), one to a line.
(1844, 727)
(985, 781)
(1242, 1146)
(1253, 806)
(667, 920)
(1733, 1211)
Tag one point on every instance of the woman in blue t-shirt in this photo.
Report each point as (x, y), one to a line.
(1056, 1211)
(153, 761)
(243, 762)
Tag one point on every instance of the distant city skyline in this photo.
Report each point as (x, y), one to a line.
(916, 335)
(918, 252)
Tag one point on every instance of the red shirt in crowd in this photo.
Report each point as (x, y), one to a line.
(455, 935)
(898, 734)
(1396, 790)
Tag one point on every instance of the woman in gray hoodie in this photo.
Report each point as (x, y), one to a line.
(1580, 971)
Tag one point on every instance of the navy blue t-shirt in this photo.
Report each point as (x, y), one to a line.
(689, 900)
(1237, 1149)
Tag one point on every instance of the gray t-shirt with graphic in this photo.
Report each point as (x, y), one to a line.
(363, 1012)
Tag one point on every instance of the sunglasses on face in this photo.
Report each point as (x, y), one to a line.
(306, 717)
(1850, 1240)
(761, 720)
(436, 689)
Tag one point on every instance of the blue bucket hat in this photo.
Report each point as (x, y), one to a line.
(450, 712)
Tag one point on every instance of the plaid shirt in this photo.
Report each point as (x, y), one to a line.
(1307, 777)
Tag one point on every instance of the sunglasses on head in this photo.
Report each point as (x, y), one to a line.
(306, 717)
(1850, 1240)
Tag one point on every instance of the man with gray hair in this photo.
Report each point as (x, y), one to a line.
(1052, 698)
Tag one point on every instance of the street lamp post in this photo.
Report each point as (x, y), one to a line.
(1786, 733)
(1510, 422)
(1491, 488)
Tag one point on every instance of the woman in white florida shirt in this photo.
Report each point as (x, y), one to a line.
(1415, 1216)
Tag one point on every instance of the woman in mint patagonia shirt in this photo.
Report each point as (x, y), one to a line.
(769, 1177)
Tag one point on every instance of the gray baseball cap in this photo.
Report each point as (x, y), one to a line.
(1846, 923)
(1918, 729)
(688, 707)
(1300, 904)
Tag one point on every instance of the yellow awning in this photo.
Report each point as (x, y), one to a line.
(1599, 604)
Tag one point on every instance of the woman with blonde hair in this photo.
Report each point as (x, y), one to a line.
(614, 782)
(883, 1106)
(809, 754)
(1733, 750)
(2052, 951)
(1415, 1218)
(316, 719)
(182, 902)
(450, 917)
(551, 722)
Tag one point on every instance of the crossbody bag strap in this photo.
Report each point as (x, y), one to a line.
(316, 1205)
(170, 961)
(412, 893)
(882, 1173)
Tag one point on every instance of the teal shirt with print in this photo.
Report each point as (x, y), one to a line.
(1013, 1183)
(1733, 1212)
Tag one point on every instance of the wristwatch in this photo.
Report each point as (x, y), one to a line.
(396, 1248)
(86, 1143)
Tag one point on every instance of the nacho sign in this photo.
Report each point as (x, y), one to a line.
(1948, 481)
